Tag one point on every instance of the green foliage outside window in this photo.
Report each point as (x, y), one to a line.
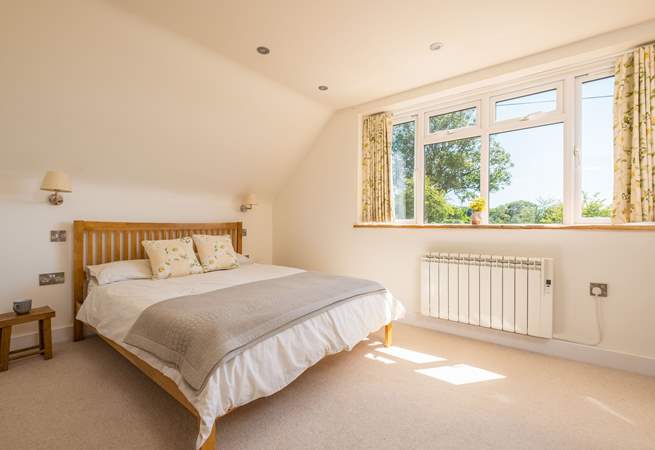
(594, 206)
(452, 180)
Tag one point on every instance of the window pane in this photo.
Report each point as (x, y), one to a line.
(597, 147)
(526, 175)
(518, 107)
(402, 170)
(453, 120)
(452, 179)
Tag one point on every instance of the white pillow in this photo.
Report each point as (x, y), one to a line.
(135, 269)
(172, 257)
(216, 252)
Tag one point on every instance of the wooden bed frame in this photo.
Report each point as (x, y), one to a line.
(103, 242)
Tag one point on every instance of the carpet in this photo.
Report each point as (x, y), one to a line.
(430, 391)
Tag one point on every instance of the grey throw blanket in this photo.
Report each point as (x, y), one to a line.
(199, 332)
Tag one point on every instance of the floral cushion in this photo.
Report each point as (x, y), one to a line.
(172, 258)
(216, 252)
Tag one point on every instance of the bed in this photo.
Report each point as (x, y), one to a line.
(111, 309)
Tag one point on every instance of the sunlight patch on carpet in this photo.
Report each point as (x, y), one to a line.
(460, 374)
(603, 407)
(409, 355)
(381, 359)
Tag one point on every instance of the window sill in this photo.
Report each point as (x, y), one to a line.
(466, 226)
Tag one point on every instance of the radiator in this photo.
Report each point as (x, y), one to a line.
(509, 293)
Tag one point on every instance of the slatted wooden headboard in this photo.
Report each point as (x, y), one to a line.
(102, 242)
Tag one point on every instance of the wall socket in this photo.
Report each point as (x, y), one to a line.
(244, 232)
(598, 289)
(57, 235)
(46, 279)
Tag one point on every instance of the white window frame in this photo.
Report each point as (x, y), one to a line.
(448, 135)
(529, 121)
(517, 122)
(397, 120)
(579, 150)
(566, 82)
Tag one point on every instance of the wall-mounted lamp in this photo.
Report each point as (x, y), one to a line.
(249, 202)
(56, 182)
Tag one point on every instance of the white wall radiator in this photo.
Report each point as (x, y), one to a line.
(506, 293)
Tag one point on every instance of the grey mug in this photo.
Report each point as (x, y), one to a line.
(23, 306)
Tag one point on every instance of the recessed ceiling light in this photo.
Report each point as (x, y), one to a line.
(263, 50)
(436, 46)
(322, 87)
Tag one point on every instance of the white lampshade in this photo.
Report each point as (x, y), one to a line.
(251, 199)
(56, 181)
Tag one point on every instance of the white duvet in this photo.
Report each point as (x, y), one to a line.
(259, 371)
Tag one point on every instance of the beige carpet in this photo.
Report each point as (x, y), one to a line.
(88, 397)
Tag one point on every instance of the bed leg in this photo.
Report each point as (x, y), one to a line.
(78, 330)
(388, 334)
(210, 443)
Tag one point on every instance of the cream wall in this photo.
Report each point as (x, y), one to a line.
(315, 211)
(90, 89)
(154, 127)
(27, 220)
(150, 126)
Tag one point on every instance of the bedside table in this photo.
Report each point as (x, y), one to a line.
(43, 314)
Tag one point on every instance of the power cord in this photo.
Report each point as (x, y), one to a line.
(596, 296)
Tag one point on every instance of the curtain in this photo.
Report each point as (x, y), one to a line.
(376, 157)
(634, 148)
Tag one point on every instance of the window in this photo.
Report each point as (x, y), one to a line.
(452, 179)
(453, 120)
(525, 106)
(595, 148)
(402, 170)
(539, 153)
(525, 175)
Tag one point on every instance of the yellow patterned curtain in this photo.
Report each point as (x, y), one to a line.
(634, 147)
(376, 154)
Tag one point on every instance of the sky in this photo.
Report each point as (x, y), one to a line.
(597, 137)
(537, 153)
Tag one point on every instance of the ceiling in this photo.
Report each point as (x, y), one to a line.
(367, 49)
(174, 94)
(104, 96)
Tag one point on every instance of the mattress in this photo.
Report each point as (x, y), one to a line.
(259, 371)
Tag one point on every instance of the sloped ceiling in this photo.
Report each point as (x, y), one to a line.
(172, 93)
(107, 96)
(367, 49)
